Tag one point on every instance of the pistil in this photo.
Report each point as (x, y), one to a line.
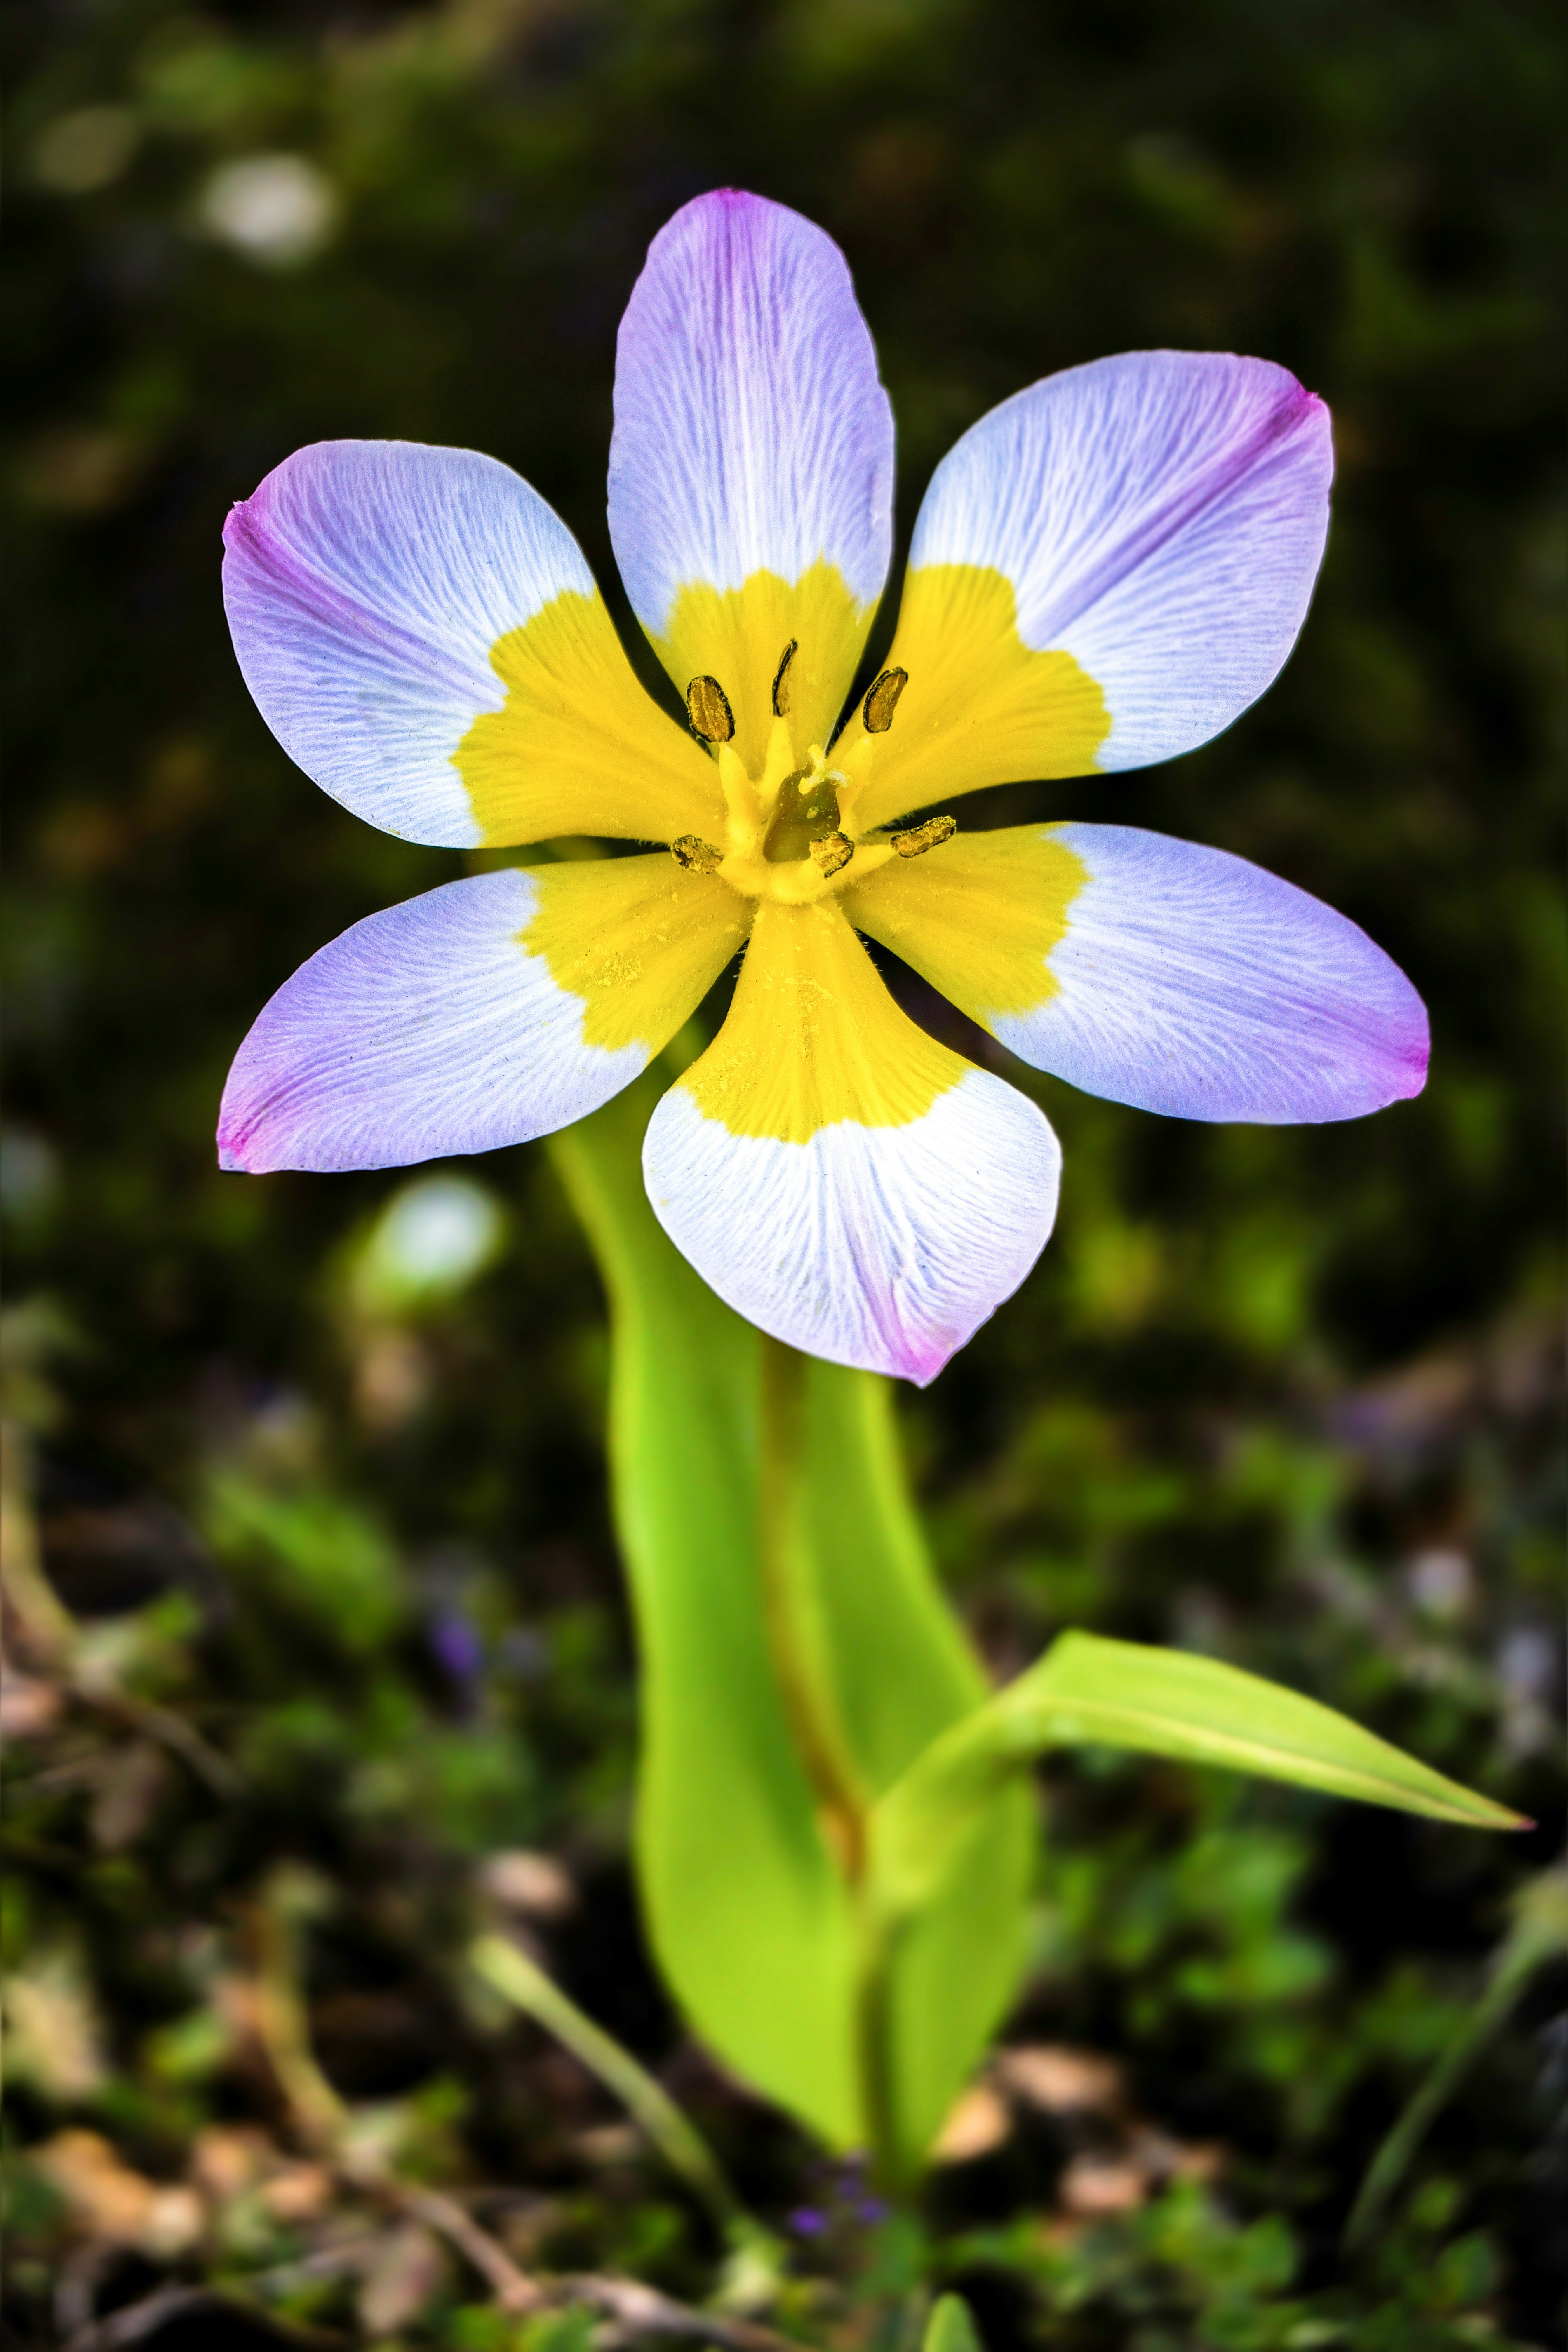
(805, 810)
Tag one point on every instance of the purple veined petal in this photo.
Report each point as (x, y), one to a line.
(752, 439)
(1151, 526)
(424, 636)
(837, 1177)
(483, 1013)
(1157, 972)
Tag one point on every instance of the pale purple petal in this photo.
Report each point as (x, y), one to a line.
(1194, 983)
(751, 431)
(366, 583)
(1160, 517)
(434, 1027)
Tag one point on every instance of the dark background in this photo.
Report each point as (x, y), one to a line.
(1291, 1396)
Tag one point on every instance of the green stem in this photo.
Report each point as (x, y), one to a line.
(813, 1717)
(844, 1806)
(514, 1976)
(1536, 1938)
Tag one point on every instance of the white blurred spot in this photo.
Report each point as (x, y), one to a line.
(275, 209)
(521, 1880)
(430, 1239)
(84, 150)
(1527, 1663)
(29, 1172)
(1440, 1582)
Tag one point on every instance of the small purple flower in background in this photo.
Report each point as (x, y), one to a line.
(1105, 571)
(456, 1645)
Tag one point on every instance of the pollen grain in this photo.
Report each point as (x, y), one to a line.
(921, 837)
(780, 679)
(697, 856)
(832, 853)
(708, 707)
(882, 701)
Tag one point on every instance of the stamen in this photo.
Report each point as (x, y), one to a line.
(882, 701)
(832, 852)
(697, 856)
(921, 837)
(781, 679)
(708, 707)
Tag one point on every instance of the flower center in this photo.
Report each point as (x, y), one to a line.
(786, 834)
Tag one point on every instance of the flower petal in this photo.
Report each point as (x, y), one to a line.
(483, 1013)
(838, 1176)
(423, 635)
(1106, 570)
(752, 466)
(1155, 972)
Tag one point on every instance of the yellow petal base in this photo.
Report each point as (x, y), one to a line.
(579, 746)
(639, 939)
(981, 706)
(813, 1037)
(977, 916)
(740, 636)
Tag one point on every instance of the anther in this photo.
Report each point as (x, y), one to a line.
(781, 679)
(697, 856)
(921, 837)
(832, 853)
(708, 707)
(882, 701)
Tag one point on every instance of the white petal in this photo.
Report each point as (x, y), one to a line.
(836, 1175)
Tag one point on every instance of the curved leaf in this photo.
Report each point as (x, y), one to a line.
(1164, 1702)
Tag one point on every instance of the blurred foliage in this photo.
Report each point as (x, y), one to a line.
(314, 1466)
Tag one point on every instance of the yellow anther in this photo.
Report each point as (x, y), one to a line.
(832, 853)
(882, 701)
(697, 856)
(921, 837)
(781, 679)
(708, 707)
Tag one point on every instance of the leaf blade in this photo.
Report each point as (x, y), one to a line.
(1180, 1704)
(1090, 1689)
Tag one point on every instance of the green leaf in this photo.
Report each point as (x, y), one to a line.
(951, 2327)
(509, 1971)
(1164, 1702)
(749, 1911)
(1538, 1936)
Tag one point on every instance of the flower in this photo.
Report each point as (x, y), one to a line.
(1106, 570)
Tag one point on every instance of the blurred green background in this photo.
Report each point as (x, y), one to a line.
(316, 1463)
